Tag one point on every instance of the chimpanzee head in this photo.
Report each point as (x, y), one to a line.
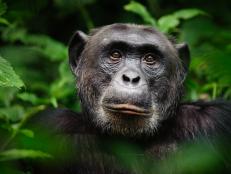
(129, 77)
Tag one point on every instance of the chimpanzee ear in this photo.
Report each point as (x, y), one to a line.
(76, 46)
(184, 54)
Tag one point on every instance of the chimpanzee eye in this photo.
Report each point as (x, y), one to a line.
(115, 56)
(149, 59)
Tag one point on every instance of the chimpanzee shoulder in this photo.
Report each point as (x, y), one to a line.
(203, 118)
(60, 121)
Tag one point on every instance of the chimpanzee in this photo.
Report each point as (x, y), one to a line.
(130, 82)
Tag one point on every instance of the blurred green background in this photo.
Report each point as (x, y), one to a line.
(34, 72)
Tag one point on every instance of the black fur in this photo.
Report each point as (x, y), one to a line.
(91, 140)
(91, 150)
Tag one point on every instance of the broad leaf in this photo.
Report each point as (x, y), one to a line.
(15, 154)
(188, 13)
(8, 77)
(52, 49)
(4, 21)
(29, 97)
(167, 22)
(141, 10)
(27, 132)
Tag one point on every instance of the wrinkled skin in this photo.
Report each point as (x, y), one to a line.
(159, 89)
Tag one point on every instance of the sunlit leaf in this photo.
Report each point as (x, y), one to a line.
(188, 13)
(32, 98)
(168, 22)
(141, 10)
(54, 102)
(8, 77)
(15, 154)
(171, 21)
(27, 132)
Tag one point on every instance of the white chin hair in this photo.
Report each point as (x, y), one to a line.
(148, 127)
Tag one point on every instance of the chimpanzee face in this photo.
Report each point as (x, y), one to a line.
(129, 77)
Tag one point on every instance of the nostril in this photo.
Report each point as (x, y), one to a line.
(125, 78)
(136, 80)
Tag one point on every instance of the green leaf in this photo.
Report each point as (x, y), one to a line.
(8, 77)
(4, 21)
(29, 97)
(27, 132)
(7, 95)
(12, 113)
(188, 13)
(54, 102)
(15, 154)
(141, 10)
(168, 22)
(64, 85)
(52, 49)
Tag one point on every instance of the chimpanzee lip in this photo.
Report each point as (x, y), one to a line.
(127, 109)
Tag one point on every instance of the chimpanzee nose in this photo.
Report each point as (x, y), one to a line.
(131, 78)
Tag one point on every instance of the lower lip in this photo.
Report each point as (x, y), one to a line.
(127, 110)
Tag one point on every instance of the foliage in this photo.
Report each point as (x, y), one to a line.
(34, 72)
(8, 78)
(168, 22)
(21, 153)
(139, 9)
(42, 43)
(165, 23)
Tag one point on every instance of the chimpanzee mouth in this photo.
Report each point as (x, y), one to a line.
(127, 109)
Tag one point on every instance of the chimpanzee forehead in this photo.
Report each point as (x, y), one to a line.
(134, 35)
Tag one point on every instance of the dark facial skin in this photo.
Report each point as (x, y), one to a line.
(129, 77)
